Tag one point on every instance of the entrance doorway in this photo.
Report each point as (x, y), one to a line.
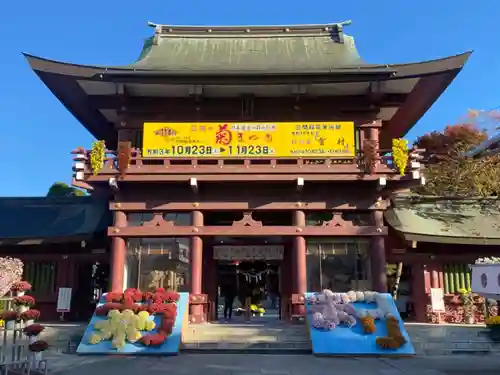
(248, 284)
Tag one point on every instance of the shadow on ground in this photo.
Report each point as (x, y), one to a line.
(227, 364)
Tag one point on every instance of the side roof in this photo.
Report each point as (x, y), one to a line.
(465, 221)
(42, 219)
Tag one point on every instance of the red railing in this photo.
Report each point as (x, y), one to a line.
(141, 165)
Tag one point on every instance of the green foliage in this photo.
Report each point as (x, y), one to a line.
(60, 189)
(450, 174)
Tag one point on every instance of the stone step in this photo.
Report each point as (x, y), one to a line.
(246, 348)
(448, 339)
(270, 338)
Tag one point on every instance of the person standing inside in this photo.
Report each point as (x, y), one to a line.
(229, 293)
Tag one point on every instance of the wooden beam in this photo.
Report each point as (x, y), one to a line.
(241, 178)
(433, 258)
(188, 231)
(146, 104)
(256, 204)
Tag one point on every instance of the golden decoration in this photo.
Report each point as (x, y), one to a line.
(400, 154)
(97, 155)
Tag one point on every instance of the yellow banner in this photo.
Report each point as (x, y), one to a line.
(252, 140)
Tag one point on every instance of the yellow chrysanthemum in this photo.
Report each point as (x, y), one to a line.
(95, 339)
(121, 327)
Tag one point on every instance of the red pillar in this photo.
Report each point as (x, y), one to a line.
(418, 294)
(196, 257)
(434, 276)
(299, 273)
(377, 257)
(118, 253)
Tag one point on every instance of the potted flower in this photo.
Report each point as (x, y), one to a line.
(33, 330)
(29, 316)
(257, 310)
(10, 318)
(37, 348)
(23, 303)
(493, 325)
(20, 288)
(468, 305)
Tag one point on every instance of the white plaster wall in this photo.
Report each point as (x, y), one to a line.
(486, 278)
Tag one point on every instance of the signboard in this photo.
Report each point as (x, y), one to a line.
(271, 252)
(253, 140)
(437, 300)
(64, 300)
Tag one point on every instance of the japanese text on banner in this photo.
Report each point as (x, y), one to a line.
(282, 139)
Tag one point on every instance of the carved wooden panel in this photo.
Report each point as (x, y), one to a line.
(337, 221)
(247, 221)
(158, 221)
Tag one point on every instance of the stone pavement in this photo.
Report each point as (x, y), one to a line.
(257, 336)
(253, 364)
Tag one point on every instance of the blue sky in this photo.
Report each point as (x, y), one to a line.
(38, 133)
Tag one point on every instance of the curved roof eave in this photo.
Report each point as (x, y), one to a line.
(63, 84)
(61, 78)
(402, 70)
(435, 66)
(436, 76)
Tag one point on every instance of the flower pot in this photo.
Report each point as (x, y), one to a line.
(22, 309)
(20, 293)
(36, 357)
(469, 320)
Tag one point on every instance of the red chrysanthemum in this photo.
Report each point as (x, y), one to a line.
(21, 286)
(153, 339)
(114, 297)
(133, 294)
(33, 330)
(9, 315)
(24, 301)
(38, 346)
(31, 314)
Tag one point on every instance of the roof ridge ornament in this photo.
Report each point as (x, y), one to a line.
(335, 28)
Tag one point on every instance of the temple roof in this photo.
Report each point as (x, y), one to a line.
(42, 219)
(488, 147)
(268, 61)
(445, 220)
(250, 49)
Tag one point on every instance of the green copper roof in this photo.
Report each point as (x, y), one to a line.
(254, 48)
(49, 218)
(433, 219)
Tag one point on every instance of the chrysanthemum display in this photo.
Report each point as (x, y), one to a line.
(129, 317)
